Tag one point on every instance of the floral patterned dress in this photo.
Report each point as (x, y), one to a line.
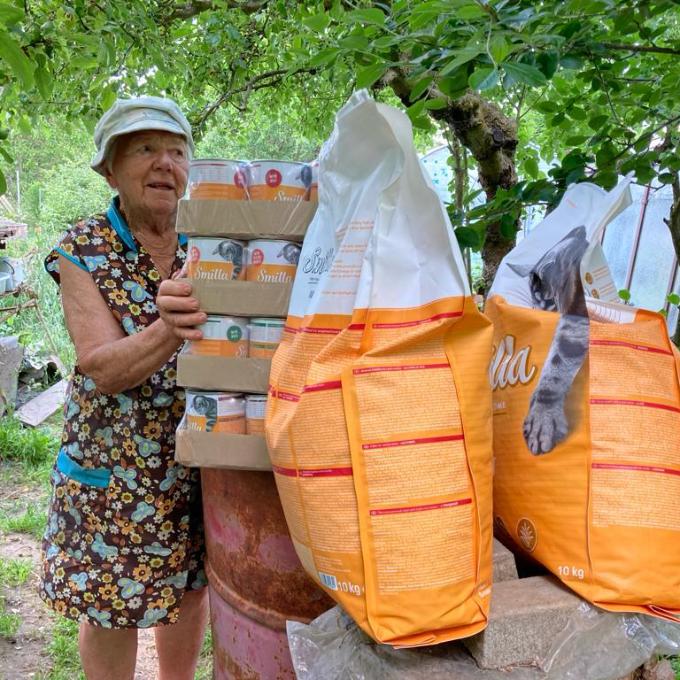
(124, 539)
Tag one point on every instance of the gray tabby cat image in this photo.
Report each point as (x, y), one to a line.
(555, 284)
(206, 406)
(230, 251)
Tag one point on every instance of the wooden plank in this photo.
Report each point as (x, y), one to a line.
(44, 405)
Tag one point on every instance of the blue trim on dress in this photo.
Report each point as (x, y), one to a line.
(91, 476)
(70, 258)
(120, 225)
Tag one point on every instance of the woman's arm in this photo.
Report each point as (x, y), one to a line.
(116, 362)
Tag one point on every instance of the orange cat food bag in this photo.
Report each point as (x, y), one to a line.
(586, 413)
(378, 419)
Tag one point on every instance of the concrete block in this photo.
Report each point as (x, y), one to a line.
(525, 616)
(504, 567)
(11, 353)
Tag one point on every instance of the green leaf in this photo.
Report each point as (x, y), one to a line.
(596, 122)
(508, 227)
(44, 82)
(19, 63)
(576, 113)
(531, 166)
(546, 107)
(324, 57)
(483, 78)
(108, 99)
(436, 104)
(463, 57)
(368, 75)
(416, 110)
(571, 61)
(666, 178)
(456, 84)
(419, 88)
(6, 155)
(523, 73)
(9, 14)
(355, 42)
(317, 22)
(547, 63)
(468, 238)
(3, 183)
(624, 294)
(499, 48)
(471, 11)
(673, 298)
(366, 16)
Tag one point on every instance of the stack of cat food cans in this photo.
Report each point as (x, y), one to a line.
(245, 222)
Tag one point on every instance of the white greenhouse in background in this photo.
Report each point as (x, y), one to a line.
(637, 243)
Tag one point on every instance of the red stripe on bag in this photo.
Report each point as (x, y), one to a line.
(421, 508)
(381, 369)
(635, 468)
(286, 396)
(630, 345)
(413, 442)
(320, 387)
(285, 472)
(326, 472)
(633, 402)
(409, 324)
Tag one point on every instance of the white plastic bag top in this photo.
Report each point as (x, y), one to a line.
(381, 237)
(584, 205)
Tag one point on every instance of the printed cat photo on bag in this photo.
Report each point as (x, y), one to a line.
(555, 285)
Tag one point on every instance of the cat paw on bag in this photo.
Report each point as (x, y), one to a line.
(379, 409)
(586, 413)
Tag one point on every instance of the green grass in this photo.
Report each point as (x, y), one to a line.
(13, 573)
(675, 663)
(32, 446)
(32, 521)
(205, 664)
(63, 651)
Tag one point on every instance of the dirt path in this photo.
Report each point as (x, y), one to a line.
(26, 655)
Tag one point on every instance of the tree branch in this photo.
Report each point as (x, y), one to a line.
(640, 48)
(191, 9)
(260, 81)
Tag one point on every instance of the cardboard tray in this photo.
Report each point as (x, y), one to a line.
(245, 220)
(243, 298)
(221, 450)
(223, 374)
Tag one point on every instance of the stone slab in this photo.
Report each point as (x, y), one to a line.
(44, 405)
(11, 354)
(504, 567)
(525, 616)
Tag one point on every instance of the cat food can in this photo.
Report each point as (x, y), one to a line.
(215, 178)
(223, 336)
(279, 181)
(216, 412)
(256, 407)
(265, 336)
(272, 261)
(216, 259)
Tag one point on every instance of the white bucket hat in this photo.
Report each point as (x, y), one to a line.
(132, 115)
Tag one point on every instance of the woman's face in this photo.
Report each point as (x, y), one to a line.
(150, 170)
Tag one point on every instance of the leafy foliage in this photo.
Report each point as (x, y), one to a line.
(595, 81)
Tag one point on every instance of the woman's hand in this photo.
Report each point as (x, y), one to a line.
(179, 310)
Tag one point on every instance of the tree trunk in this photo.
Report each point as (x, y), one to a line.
(491, 137)
(673, 223)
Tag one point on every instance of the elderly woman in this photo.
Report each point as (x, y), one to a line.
(123, 547)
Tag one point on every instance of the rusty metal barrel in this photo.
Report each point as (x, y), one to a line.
(256, 581)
